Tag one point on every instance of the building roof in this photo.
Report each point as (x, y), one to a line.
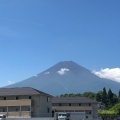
(72, 100)
(71, 108)
(20, 91)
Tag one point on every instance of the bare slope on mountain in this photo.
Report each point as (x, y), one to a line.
(67, 77)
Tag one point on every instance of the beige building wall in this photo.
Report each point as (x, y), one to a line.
(39, 106)
(95, 110)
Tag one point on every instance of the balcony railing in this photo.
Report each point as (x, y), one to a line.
(22, 102)
(17, 114)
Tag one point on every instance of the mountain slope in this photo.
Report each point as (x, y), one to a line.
(67, 77)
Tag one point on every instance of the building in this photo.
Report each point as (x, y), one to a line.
(75, 104)
(25, 102)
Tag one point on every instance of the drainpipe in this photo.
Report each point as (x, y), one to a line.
(20, 110)
(30, 111)
(7, 111)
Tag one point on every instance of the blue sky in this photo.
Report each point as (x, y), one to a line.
(36, 34)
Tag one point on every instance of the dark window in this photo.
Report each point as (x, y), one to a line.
(4, 116)
(30, 97)
(16, 109)
(16, 98)
(79, 104)
(48, 109)
(90, 112)
(4, 98)
(89, 104)
(47, 99)
(86, 116)
(13, 108)
(3, 109)
(69, 104)
(25, 108)
(60, 104)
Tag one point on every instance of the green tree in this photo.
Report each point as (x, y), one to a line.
(104, 97)
(116, 108)
(110, 98)
(119, 93)
(99, 96)
(89, 95)
(115, 99)
(119, 96)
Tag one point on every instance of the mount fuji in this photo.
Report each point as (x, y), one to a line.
(67, 77)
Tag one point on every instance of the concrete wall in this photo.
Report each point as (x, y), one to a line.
(95, 110)
(41, 107)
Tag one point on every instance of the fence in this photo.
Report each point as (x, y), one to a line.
(45, 118)
(52, 118)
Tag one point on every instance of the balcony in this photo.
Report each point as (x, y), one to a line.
(17, 114)
(22, 102)
(16, 108)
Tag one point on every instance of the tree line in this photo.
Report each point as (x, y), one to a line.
(108, 98)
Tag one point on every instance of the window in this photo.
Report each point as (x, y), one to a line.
(79, 104)
(48, 109)
(47, 99)
(60, 104)
(16, 98)
(4, 110)
(69, 104)
(16, 109)
(89, 104)
(25, 108)
(13, 108)
(90, 112)
(4, 98)
(30, 97)
(4, 116)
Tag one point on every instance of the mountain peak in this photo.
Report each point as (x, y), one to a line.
(66, 64)
(67, 77)
(70, 65)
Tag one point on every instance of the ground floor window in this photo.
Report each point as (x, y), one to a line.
(25, 108)
(3, 109)
(13, 108)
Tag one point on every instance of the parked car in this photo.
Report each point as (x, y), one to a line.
(2, 117)
(118, 118)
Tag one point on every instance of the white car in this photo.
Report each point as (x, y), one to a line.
(2, 117)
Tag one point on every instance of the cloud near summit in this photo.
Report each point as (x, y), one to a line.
(63, 71)
(112, 74)
(10, 82)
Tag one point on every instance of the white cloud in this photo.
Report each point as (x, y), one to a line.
(10, 82)
(35, 75)
(112, 74)
(63, 71)
(46, 73)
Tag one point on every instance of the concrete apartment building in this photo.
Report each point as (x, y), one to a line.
(25, 102)
(75, 104)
